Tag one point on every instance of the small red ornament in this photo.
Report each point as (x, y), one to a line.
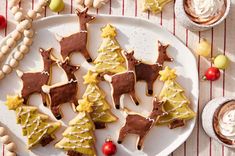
(3, 22)
(212, 74)
(109, 148)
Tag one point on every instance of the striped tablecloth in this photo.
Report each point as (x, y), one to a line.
(222, 39)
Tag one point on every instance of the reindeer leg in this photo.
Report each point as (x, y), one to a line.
(116, 100)
(122, 134)
(56, 112)
(75, 104)
(44, 99)
(87, 55)
(140, 142)
(150, 87)
(25, 97)
(134, 98)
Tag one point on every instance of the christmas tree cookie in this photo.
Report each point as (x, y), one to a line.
(34, 124)
(100, 109)
(154, 6)
(110, 59)
(176, 103)
(78, 138)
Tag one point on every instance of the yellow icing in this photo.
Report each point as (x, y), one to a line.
(108, 31)
(110, 58)
(93, 93)
(90, 77)
(85, 105)
(100, 115)
(33, 124)
(176, 103)
(167, 74)
(100, 109)
(79, 135)
(154, 6)
(14, 102)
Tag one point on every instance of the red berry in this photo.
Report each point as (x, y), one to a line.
(212, 74)
(109, 148)
(3, 22)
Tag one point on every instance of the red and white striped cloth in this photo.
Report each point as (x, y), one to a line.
(222, 39)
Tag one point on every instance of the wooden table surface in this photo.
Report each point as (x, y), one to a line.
(221, 37)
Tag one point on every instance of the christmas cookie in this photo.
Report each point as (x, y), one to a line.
(9, 146)
(78, 139)
(124, 82)
(77, 42)
(176, 103)
(92, 3)
(218, 120)
(33, 81)
(110, 59)
(61, 93)
(150, 72)
(94, 102)
(154, 6)
(34, 124)
(139, 125)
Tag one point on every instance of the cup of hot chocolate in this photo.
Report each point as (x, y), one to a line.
(218, 120)
(200, 15)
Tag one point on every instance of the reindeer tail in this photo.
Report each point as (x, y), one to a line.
(58, 37)
(125, 111)
(19, 73)
(108, 78)
(46, 89)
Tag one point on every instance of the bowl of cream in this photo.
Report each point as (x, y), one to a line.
(200, 15)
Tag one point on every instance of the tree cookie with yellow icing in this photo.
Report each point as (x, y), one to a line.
(34, 124)
(154, 6)
(78, 139)
(110, 59)
(94, 102)
(176, 103)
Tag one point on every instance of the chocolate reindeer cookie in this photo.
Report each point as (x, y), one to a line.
(33, 81)
(124, 83)
(139, 125)
(150, 72)
(77, 42)
(61, 93)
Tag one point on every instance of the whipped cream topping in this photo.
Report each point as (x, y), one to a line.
(207, 8)
(227, 124)
(205, 11)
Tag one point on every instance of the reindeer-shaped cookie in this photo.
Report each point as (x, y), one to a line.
(123, 83)
(77, 42)
(150, 72)
(33, 81)
(61, 93)
(139, 125)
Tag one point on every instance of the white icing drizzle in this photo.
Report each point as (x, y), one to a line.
(227, 124)
(91, 95)
(74, 147)
(97, 115)
(180, 104)
(111, 58)
(172, 119)
(45, 72)
(36, 129)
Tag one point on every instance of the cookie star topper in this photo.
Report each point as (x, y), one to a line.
(108, 31)
(167, 74)
(90, 77)
(13, 102)
(85, 105)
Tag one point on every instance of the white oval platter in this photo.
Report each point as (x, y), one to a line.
(133, 33)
